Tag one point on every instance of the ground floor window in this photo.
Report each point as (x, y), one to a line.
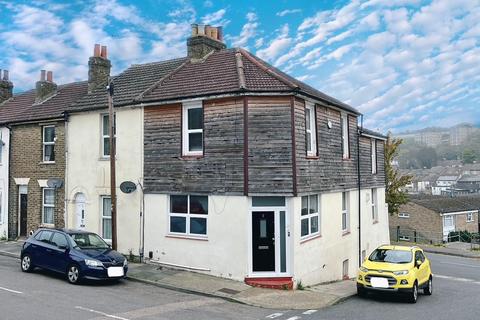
(106, 217)
(448, 221)
(310, 217)
(469, 216)
(188, 215)
(48, 205)
(345, 270)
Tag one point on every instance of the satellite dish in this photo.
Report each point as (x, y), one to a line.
(128, 187)
(55, 183)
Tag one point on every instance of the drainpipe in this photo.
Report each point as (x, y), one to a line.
(66, 191)
(359, 131)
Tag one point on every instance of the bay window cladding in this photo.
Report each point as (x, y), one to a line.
(310, 129)
(345, 212)
(310, 218)
(48, 205)
(188, 215)
(48, 143)
(345, 137)
(192, 128)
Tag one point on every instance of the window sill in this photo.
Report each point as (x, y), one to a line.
(375, 222)
(47, 162)
(345, 233)
(310, 238)
(106, 158)
(187, 237)
(312, 157)
(47, 225)
(347, 159)
(191, 157)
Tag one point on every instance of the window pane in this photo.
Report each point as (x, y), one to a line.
(49, 134)
(178, 224)
(198, 225)
(105, 125)
(107, 228)
(195, 118)
(199, 204)
(48, 215)
(304, 227)
(49, 196)
(271, 201)
(309, 141)
(59, 239)
(307, 119)
(313, 203)
(49, 153)
(344, 220)
(195, 141)
(313, 224)
(178, 204)
(304, 205)
(107, 207)
(344, 201)
(106, 146)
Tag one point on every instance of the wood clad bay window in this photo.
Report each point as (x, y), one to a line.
(310, 217)
(310, 129)
(345, 137)
(373, 143)
(188, 215)
(48, 143)
(192, 129)
(48, 205)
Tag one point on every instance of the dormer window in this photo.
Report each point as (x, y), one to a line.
(192, 136)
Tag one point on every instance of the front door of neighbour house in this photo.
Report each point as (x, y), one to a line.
(80, 211)
(448, 226)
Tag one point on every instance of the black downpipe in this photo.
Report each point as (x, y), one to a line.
(359, 131)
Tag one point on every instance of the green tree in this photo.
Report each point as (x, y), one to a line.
(395, 196)
(468, 156)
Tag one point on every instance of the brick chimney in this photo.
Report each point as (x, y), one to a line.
(6, 86)
(45, 88)
(204, 40)
(98, 68)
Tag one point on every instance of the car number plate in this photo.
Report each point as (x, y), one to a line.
(115, 272)
(379, 282)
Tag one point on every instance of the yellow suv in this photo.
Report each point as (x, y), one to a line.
(396, 269)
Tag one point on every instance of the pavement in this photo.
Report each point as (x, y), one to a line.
(314, 297)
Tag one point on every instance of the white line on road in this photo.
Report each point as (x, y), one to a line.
(10, 290)
(455, 278)
(100, 312)
(310, 312)
(461, 264)
(294, 318)
(274, 315)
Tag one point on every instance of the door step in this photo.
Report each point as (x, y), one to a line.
(280, 283)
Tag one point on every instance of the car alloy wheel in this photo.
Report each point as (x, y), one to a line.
(414, 294)
(429, 288)
(73, 274)
(26, 263)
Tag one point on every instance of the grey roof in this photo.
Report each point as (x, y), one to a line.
(446, 204)
(376, 134)
(447, 178)
(469, 178)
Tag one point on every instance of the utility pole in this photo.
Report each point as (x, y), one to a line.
(113, 193)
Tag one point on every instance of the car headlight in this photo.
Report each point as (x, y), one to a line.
(125, 262)
(93, 263)
(363, 269)
(400, 273)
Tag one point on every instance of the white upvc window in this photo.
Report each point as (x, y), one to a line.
(106, 203)
(470, 217)
(448, 221)
(192, 129)
(404, 215)
(345, 137)
(310, 129)
(345, 211)
(48, 142)
(374, 155)
(188, 215)
(105, 140)
(374, 205)
(310, 216)
(48, 206)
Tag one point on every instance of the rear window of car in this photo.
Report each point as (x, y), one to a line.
(44, 236)
(391, 256)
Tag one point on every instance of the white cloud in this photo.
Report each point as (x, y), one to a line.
(288, 11)
(216, 18)
(249, 31)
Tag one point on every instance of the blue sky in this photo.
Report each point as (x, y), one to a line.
(405, 64)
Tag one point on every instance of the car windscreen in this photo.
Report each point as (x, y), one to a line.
(88, 241)
(391, 256)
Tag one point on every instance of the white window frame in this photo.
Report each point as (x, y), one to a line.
(186, 132)
(1, 203)
(404, 238)
(374, 200)
(373, 145)
(107, 135)
(44, 205)
(450, 218)
(345, 136)
(104, 217)
(48, 143)
(346, 212)
(187, 217)
(345, 269)
(309, 215)
(404, 215)
(470, 217)
(312, 147)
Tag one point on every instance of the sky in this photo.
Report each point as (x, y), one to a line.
(404, 64)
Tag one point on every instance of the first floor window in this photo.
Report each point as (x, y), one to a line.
(374, 205)
(106, 134)
(188, 215)
(345, 213)
(192, 128)
(48, 206)
(374, 155)
(106, 218)
(310, 218)
(311, 129)
(49, 144)
(470, 217)
(345, 137)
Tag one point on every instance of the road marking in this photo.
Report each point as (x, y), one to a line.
(101, 313)
(274, 315)
(10, 290)
(294, 318)
(455, 278)
(310, 312)
(461, 264)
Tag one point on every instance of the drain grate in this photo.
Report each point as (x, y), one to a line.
(228, 291)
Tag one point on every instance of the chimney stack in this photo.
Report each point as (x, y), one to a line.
(6, 86)
(204, 39)
(98, 68)
(45, 88)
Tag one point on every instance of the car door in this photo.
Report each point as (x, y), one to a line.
(39, 252)
(59, 252)
(421, 272)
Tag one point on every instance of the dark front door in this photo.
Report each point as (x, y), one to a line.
(23, 215)
(263, 241)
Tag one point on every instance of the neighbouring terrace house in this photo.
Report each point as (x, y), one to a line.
(431, 218)
(36, 122)
(443, 184)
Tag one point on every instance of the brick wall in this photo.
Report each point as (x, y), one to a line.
(462, 224)
(26, 162)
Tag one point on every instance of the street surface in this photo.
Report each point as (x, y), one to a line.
(42, 295)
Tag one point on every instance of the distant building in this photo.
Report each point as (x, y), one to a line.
(443, 183)
(460, 133)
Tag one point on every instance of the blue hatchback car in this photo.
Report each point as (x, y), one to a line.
(77, 254)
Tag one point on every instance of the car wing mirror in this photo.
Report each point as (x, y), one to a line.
(418, 263)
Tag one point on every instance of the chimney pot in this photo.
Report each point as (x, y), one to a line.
(42, 75)
(6, 87)
(45, 88)
(194, 29)
(201, 30)
(96, 50)
(220, 34)
(49, 76)
(5, 75)
(103, 53)
(204, 40)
